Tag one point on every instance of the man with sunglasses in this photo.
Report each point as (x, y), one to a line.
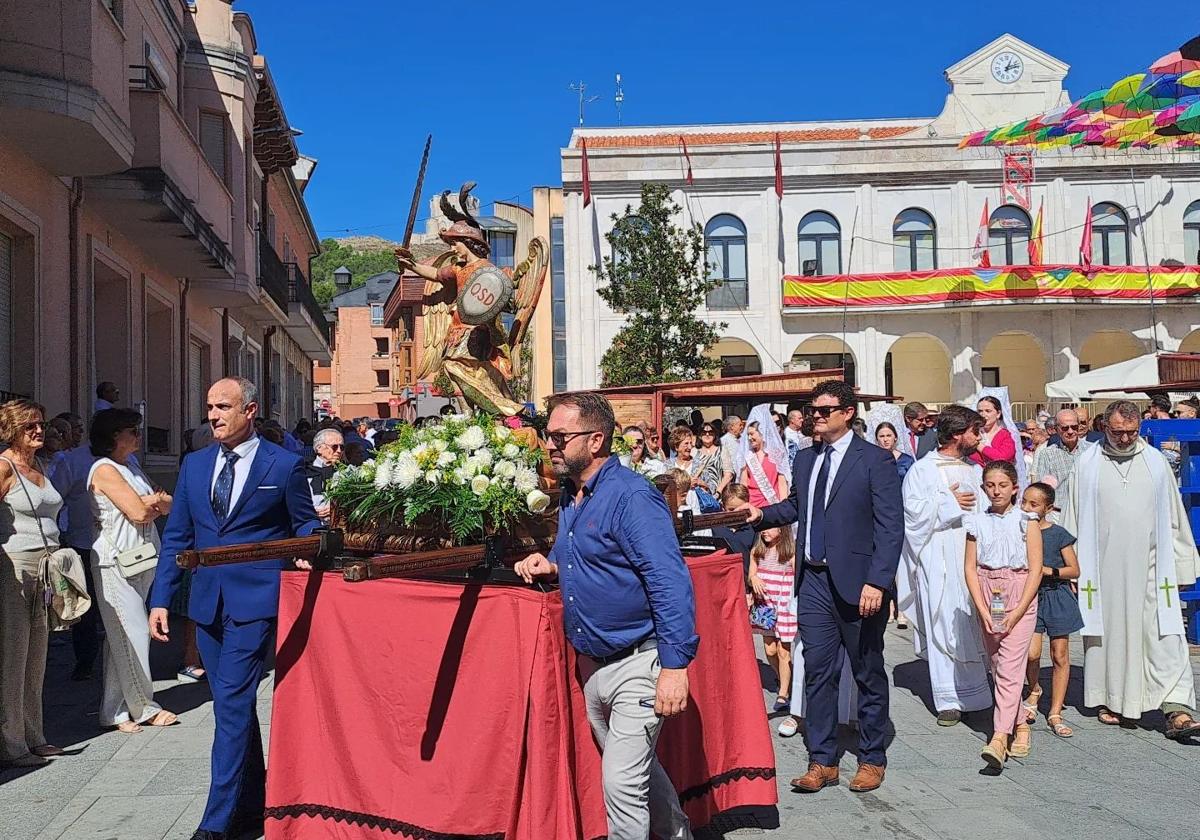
(845, 497)
(330, 448)
(1135, 550)
(1057, 460)
(628, 609)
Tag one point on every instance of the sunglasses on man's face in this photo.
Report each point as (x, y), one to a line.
(336, 447)
(824, 410)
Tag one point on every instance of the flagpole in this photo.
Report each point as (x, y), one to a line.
(1145, 259)
(846, 292)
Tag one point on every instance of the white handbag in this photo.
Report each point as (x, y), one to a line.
(140, 558)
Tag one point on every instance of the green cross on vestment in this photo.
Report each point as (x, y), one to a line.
(1166, 587)
(1090, 590)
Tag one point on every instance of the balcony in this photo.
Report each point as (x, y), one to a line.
(997, 286)
(306, 322)
(63, 86)
(171, 203)
(273, 278)
(403, 375)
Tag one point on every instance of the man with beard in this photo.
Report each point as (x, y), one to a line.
(938, 490)
(1135, 550)
(628, 609)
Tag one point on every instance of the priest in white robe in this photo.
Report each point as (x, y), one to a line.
(1135, 549)
(931, 587)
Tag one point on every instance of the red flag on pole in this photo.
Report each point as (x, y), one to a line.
(587, 179)
(687, 159)
(1085, 244)
(778, 169)
(980, 251)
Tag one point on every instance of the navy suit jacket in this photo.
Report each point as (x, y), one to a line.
(864, 518)
(274, 504)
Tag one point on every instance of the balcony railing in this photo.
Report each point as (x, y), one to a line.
(273, 274)
(300, 292)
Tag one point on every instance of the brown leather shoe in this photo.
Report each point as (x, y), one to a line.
(869, 777)
(818, 776)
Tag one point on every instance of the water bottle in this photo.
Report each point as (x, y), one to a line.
(999, 610)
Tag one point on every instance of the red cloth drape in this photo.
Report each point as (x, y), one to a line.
(408, 708)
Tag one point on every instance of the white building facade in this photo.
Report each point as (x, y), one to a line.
(880, 202)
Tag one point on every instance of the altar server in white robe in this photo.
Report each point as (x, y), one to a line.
(930, 586)
(1135, 549)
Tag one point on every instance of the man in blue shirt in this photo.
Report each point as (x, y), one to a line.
(628, 609)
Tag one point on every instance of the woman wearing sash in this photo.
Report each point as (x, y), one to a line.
(761, 455)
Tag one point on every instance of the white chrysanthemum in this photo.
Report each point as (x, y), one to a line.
(525, 480)
(433, 476)
(420, 449)
(502, 432)
(537, 501)
(367, 470)
(471, 439)
(440, 445)
(483, 456)
(383, 474)
(507, 469)
(480, 484)
(407, 473)
(445, 459)
(461, 475)
(511, 451)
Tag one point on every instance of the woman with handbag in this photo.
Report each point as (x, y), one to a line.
(28, 537)
(126, 554)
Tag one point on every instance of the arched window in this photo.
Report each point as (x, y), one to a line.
(1191, 234)
(1008, 236)
(914, 241)
(725, 244)
(1110, 235)
(820, 244)
(623, 228)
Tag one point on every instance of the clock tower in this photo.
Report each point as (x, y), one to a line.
(1004, 81)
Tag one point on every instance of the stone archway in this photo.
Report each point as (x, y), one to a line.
(917, 367)
(1016, 360)
(823, 352)
(738, 357)
(1107, 347)
(1190, 343)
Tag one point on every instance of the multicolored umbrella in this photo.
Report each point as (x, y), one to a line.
(1143, 110)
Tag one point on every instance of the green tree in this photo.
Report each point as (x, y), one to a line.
(657, 277)
(363, 263)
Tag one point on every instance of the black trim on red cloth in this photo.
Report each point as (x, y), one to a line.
(416, 832)
(705, 788)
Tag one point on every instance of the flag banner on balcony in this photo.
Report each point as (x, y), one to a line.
(979, 285)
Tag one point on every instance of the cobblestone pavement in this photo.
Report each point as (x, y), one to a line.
(1103, 784)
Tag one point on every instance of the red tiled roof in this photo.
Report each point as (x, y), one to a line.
(727, 138)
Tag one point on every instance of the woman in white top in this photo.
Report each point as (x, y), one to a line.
(126, 507)
(28, 526)
(1003, 567)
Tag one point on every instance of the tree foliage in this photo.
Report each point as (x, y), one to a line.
(656, 275)
(363, 263)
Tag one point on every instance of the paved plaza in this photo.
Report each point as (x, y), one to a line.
(1109, 783)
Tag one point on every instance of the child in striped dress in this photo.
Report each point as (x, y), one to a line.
(772, 579)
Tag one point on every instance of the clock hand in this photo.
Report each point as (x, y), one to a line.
(1010, 67)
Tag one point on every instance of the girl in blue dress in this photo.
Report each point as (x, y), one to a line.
(1058, 609)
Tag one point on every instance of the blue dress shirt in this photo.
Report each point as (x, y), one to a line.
(620, 571)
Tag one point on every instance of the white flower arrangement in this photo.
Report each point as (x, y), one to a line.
(466, 474)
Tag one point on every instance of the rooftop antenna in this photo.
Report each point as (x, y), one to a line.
(619, 97)
(581, 88)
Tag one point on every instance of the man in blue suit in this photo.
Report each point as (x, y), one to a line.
(244, 490)
(846, 500)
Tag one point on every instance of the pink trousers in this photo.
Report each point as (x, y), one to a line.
(1010, 651)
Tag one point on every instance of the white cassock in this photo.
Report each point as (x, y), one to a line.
(931, 583)
(1126, 513)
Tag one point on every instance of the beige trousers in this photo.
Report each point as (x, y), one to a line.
(128, 690)
(638, 795)
(24, 636)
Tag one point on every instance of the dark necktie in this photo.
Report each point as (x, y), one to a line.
(816, 527)
(223, 491)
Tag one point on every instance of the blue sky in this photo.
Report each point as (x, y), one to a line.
(366, 80)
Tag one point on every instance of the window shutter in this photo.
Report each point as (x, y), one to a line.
(212, 140)
(196, 380)
(6, 284)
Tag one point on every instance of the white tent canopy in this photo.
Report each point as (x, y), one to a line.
(1116, 377)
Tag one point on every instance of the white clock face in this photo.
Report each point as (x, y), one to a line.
(1007, 67)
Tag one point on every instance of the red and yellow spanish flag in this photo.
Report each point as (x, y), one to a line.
(1036, 240)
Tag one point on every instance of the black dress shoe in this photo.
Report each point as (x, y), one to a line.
(245, 827)
(205, 834)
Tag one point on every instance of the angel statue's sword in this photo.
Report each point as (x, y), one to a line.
(416, 199)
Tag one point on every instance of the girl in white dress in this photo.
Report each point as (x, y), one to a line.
(126, 507)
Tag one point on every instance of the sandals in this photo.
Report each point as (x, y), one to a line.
(1108, 717)
(125, 727)
(1176, 731)
(782, 703)
(163, 718)
(191, 674)
(789, 727)
(1017, 749)
(1031, 705)
(1058, 727)
(995, 753)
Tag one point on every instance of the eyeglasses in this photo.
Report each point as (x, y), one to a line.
(336, 447)
(35, 425)
(1076, 428)
(707, 432)
(637, 442)
(1119, 435)
(559, 439)
(824, 410)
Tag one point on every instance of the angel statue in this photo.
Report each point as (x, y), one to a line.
(465, 296)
